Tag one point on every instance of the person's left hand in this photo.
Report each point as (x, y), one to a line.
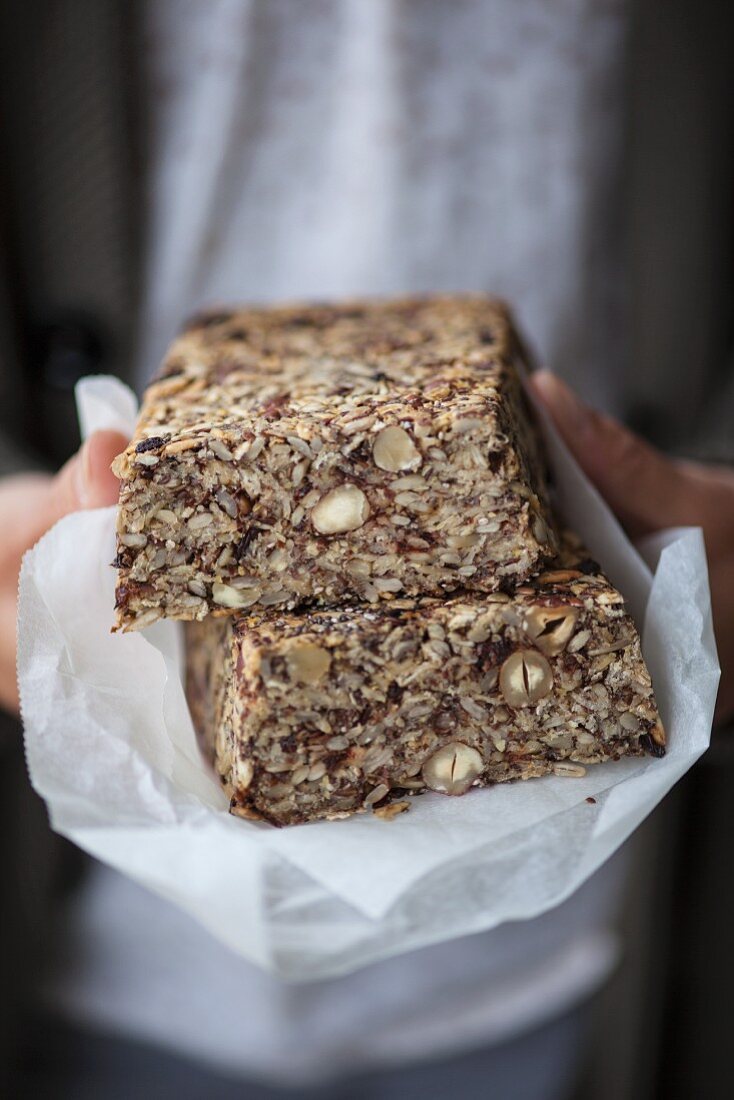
(30, 504)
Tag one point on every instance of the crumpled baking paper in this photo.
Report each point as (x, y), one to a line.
(111, 748)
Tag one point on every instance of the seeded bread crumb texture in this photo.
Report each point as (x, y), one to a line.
(367, 451)
(337, 711)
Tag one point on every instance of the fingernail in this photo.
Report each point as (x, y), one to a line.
(83, 476)
(566, 408)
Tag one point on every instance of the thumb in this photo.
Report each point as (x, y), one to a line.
(86, 480)
(645, 489)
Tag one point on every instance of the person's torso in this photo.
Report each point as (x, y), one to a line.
(320, 150)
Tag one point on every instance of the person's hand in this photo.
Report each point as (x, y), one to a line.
(648, 491)
(29, 505)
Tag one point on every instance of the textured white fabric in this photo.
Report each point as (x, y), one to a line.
(145, 969)
(315, 148)
(330, 147)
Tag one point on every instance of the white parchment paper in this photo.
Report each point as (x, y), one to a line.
(111, 748)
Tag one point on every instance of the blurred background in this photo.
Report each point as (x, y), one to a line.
(574, 156)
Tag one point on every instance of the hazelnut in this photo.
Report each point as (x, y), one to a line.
(525, 677)
(342, 509)
(307, 663)
(394, 450)
(452, 769)
(550, 627)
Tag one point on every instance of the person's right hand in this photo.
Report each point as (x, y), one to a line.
(30, 504)
(649, 491)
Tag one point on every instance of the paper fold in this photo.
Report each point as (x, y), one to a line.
(111, 748)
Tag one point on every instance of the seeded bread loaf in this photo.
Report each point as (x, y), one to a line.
(334, 711)
(364, 451)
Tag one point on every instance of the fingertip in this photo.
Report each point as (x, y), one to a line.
(573, 418)
(552, 389)
(109, 441)
(98, 485)
(543, 382)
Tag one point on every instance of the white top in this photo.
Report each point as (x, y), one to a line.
(316, 148)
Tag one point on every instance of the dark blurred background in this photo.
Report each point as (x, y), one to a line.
(74, 140)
